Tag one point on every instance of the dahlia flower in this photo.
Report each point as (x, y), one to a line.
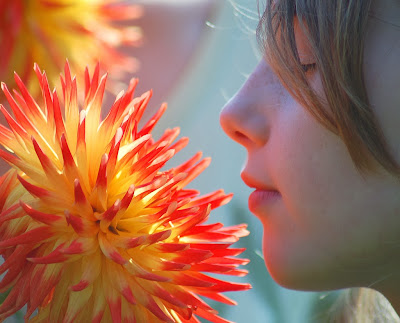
(91, 227)
(49, 31)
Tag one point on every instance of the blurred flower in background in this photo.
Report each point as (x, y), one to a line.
(49, 31)
(91, 228)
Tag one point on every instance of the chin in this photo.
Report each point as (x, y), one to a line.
(291, 279)
(301, 274)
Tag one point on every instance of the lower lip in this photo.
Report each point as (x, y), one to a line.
(259, 199)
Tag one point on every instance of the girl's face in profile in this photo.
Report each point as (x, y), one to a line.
(326, 225)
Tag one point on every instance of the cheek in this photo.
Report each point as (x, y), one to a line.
(318, 180)
(330, 215)
(304, 161)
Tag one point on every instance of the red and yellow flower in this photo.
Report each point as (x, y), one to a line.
(91, 228)
(49, 31)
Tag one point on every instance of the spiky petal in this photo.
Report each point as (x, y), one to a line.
(91, 228)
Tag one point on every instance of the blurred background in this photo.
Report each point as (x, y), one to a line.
(195, 54)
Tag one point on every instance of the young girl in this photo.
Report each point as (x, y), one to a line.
(319, 118)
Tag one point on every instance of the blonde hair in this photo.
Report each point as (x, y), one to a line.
(335, 31)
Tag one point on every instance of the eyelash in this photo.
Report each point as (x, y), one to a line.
(308, 67)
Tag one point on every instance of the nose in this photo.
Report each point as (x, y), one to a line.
(245, 117)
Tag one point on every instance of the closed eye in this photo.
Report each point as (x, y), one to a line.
(308, 67)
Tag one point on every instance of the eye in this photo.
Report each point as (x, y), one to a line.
(308, 67)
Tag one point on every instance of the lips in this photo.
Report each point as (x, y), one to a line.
(260, 200)
(258, 184)
(264, 196)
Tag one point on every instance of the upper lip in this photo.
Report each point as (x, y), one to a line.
(254, 183)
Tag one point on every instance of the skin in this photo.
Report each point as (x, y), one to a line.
(328, 226)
